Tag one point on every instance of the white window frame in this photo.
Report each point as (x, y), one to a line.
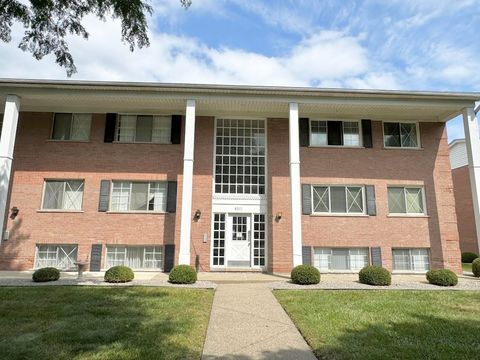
(360, 134)
(57, 250)
(417, 125)
(130, 194)
(412, 269)
(42, 209)
(71, 120)
(408, 214)
(330, 213)
(144, 248)
(349, 270)
(117, 127)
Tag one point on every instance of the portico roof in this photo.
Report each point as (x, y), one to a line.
(235, 100)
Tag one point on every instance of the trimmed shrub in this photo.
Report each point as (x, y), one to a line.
(442, 277)
(468, 257)
(375, 275)
(46, 274)
(119, 274)
(476, 267)
(305, 275)
(183, 274)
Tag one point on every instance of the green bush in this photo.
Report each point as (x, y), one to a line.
(305, 275)
(119, 274)
(476, 267)
(375, 275)
(442, 277)
(46, 274)
(468, 257)
(183, 274)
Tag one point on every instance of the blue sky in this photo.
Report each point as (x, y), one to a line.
(395, 44)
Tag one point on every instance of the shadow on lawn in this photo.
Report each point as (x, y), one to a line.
(425, 337)
(108, 323)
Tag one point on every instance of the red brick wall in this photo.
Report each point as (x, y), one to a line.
(464, 206)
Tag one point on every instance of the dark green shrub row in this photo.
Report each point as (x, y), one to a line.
(468, 257)
(476, 267)
(305, 275)
(119, 274)
(183, 274)
(442, 277)
(46, 274)
(375, 275)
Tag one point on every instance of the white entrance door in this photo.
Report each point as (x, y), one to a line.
(238, 240)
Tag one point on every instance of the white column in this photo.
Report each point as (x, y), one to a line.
(295, 191)
(7, 143)
(472, 137)
(186, 217)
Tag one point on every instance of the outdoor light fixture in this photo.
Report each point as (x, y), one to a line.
(197, 215)
(278, 217)
(14, 212)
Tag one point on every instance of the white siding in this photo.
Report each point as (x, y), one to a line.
(458, 154)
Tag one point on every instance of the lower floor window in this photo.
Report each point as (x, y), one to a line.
(58, 256)
(136, 257)
(340, 259)
(411, 259)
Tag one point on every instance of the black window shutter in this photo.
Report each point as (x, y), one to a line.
(371, 205)
(335, 132)
(96, 257)
(304, 131)
(306, 199)
(367, 133)
(172, 196)
(376, 256)
(110, 123)
(306, 255)
(176, 129)
(104, 195)
(169, 261)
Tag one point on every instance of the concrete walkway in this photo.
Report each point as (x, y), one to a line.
(247, 322)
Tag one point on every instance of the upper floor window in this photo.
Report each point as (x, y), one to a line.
(139, 196)
(405, 200)
(405, 135)
(63, 195)
(338, 199)
(339, 133)
(74, 127)
(144, 129)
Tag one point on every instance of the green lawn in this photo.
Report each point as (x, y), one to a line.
(467, 267)
(57, 322)
(387, 324)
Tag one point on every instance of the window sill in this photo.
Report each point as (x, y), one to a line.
(336, 147)
(340, 215)
(138, 212)
(68, 141)
(402, 148)
(60, 211)
(142, 143)
(407, 216)
(409, 272)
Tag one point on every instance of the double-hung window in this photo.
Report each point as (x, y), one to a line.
(144, 129)
(406, 200)
(63, 195)
(73, 127)
(139, 196)
(337, 259)
(58, 256)
(399, 134)
(339, 133)
(136, 257)
(411, 259)
(338, 199)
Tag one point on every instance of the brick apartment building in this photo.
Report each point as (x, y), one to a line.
(226, 177)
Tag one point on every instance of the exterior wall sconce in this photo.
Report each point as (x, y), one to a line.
(278, 217)
(14, 212)
(197, 215)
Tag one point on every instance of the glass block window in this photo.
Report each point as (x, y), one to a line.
(259, 240)
(338, 199)
(73, 127)
(337, 259)
(337, 133)
(219, 239)
(144, 129)
(136, 257)
(63, 195)
(405, 200)
(400, 135)
(411, 259)
(139, 196)
(62, 257)
(240, 156)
